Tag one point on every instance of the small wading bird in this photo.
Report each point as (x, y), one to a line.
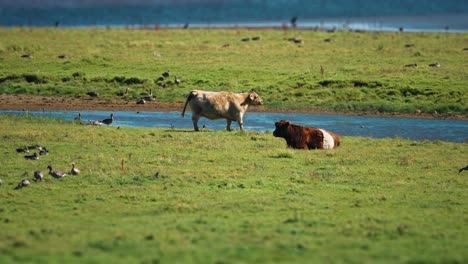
(56, 174)
(108, 121)
(74, 170)
(462, 169)
(78, 118)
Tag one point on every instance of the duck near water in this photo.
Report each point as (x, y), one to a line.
(108, 121)
(56, 174)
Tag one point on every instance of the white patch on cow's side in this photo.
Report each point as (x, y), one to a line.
(328, 141)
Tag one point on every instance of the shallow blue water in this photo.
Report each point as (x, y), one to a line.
(365, 126)
(413, 15)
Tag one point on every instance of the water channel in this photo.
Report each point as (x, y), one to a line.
(347, 125)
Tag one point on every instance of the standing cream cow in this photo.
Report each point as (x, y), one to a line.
(216, 105)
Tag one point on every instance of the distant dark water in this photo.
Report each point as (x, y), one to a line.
(365, 126)
(413, 15)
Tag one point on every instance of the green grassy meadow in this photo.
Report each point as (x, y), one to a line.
(228, 197)
(362, 72)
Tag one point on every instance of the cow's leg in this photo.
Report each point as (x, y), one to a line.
(228, 124)
(240, 121)
(195, 118)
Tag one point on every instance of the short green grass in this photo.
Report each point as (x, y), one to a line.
(228, 197)
(362, 72)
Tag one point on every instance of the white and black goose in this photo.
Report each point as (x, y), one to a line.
(56, 174)
(74, 170)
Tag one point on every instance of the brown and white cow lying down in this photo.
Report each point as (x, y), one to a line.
(305, 137)
(216, 105)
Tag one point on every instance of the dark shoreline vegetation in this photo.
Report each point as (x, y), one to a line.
(340, 71)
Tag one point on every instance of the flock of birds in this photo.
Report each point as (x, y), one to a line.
(39, 175)
(147, 97)
(106, 121)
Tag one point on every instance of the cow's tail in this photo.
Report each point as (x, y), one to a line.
(190, 96)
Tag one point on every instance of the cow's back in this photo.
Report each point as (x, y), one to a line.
(214, 105)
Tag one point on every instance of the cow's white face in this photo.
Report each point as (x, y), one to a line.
(255, 99)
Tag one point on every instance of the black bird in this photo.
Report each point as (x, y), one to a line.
(37, 146)
(93, 94)
(176, 80)
(434, 65)
(462, 169)
(293, 21)
(38, 175)
(165, 74)
(23, 183)
(27, 56)
(78, 117)
(32, 157)
(412, 65)
(44, 151)
(25, 150)
(141, 101)
(108, 121)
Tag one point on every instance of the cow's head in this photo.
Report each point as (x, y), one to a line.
(281, 128)
(254, 99)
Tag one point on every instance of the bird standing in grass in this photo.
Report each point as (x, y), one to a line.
(165, 74)
(108, 121)
(56, 174)
(74, 170)
(38, 175)
(23, 183)
(177, 80)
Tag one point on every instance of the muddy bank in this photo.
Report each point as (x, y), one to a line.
(48, 103)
